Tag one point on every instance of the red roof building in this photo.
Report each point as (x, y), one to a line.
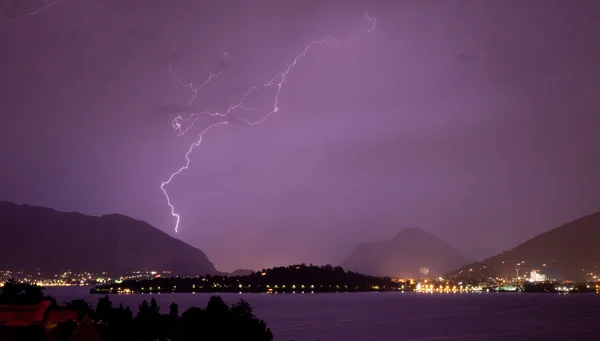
(27, 315)
(23, 315)
(54, 317)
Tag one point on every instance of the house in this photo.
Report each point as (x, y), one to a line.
(85, 331)
(38, 321)
(23, 315)
(60, 315)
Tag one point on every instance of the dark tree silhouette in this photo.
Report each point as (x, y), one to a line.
(11, 288)
(22, 293)
(217, 307)
(143, 308)
(154, 308)
(33, 292)
(217, 321)
(242, 309)
(243, 317)
(81, 306)
(114, 323)
(174, 310)
(103, 308)
(192, 324)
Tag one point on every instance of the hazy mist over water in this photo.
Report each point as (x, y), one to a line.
(399, 316)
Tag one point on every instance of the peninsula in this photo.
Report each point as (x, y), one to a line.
(291, 279)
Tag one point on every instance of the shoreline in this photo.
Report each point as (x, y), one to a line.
(332, 292)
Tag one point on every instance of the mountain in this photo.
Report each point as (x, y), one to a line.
(240, 273)
(413, 253)
(39, 237)
(570, 252)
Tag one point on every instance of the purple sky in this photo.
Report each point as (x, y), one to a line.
(475, 120)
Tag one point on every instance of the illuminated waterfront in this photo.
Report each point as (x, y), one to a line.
(126, 283)
(69, 278)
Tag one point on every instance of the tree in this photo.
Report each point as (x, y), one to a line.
(154, 308)
(22, 293)
(246, 324)
(103, 308)
(174, 310)
(33, 293)
(242, 309)
(217, 321)
(216, 306)
(128, 312)
(81, 306)
(11, 289)
(143, 309)
(193, 322)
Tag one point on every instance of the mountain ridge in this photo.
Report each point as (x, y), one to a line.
(112, 243)
(568, 251)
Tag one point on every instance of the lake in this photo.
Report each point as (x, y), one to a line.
(399, 316)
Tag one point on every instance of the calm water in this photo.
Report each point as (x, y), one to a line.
(400, 316)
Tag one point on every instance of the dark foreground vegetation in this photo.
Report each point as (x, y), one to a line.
(13, 293)
(216, 321)
(291, 279)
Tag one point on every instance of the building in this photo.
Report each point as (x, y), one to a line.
(23, 315)
(537, 277)
(34, 321)
(85, 331)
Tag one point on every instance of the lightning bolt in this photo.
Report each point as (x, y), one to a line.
(190, 85)
(189, 118)
(47, 6)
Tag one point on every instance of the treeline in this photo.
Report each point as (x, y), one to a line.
(18, 293)
(551, 287)
(216, 321)
(295, 278)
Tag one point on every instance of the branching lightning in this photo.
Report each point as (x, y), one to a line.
(190, 85)
(47, 5)
(183, 123)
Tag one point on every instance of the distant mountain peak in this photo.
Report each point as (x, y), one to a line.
(412, 253)
(413, 231)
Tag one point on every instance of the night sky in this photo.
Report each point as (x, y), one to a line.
(477, 121)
